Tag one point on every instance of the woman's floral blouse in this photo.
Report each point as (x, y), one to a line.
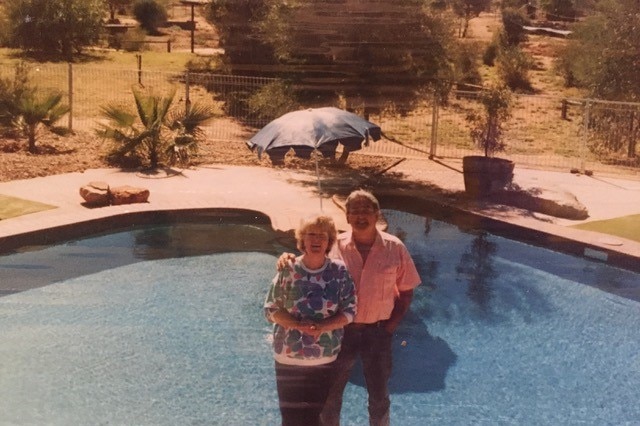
(313, 295)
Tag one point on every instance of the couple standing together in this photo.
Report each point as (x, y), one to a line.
(341, 299)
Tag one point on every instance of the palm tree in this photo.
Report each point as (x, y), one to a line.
(187, 125)
(30, 111)
(159, 130)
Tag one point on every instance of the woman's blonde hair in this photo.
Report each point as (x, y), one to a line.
(323, 224)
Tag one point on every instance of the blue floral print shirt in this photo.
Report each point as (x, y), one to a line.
(313, 295)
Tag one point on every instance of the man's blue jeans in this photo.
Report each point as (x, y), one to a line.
(372, 343)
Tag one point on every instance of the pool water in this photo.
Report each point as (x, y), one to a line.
(143, 327)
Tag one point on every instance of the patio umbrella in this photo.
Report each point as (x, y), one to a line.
(313, 129)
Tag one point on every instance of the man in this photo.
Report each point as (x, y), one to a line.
(384, 276)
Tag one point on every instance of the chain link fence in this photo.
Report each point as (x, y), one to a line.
(544, 131)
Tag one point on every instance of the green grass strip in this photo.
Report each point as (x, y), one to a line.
(626, 227)
(12, 207)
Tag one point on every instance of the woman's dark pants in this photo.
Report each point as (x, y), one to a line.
(302, 392)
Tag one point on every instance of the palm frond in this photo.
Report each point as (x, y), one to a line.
(118, 116)
(143, 107)
(189, 121)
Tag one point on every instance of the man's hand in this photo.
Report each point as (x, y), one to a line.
(284, 260)
(400, 308)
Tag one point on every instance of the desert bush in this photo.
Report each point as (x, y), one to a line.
(513, 68)
(491, 53)
(150, 14)
(512, 22)
(272, 100)
(466, 66)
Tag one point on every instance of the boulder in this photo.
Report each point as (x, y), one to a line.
(95, 194)
(128, 195)
(557, 203)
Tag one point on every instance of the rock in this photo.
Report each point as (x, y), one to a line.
(557, 203)
(128, 195)
(95, 193)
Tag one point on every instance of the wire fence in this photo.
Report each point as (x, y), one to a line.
(544, 131)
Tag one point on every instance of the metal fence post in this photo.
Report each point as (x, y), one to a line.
(585, 136)
(434, 126)
(187, 100)
(70, 93)
(139, 60)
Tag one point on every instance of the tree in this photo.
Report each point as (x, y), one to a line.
(367, 52)
(611, 36)
(154, 130)
(467, 9)
(487, 127)
(114, 6)
(61, 27)
(603, 56)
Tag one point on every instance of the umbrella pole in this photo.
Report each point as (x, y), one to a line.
(319, 186)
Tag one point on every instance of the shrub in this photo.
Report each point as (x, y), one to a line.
(272, 100)
(513, 68)
(513, 22)
(466, 64)
(491, 53)
(150, 14)
(133, 41)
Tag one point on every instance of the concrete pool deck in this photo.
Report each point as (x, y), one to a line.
(286, 195)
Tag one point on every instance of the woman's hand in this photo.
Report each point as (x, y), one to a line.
(311, 328)
(284, 260)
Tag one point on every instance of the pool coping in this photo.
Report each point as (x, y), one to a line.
(282, 197)
(580, 244)
(434, 208)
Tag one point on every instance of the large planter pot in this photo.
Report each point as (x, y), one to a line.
(485, 175)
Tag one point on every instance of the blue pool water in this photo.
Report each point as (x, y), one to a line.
(163, 326)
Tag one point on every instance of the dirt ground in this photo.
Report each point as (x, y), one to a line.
(83, 151)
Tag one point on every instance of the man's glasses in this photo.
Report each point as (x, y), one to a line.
(364, 211)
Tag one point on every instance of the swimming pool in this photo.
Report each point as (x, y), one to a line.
(144, 328)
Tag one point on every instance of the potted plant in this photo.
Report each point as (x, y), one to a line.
(486, 174)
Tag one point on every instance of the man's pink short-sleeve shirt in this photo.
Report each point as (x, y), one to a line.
(389, 270)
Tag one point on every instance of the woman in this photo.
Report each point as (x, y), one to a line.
(310, 302)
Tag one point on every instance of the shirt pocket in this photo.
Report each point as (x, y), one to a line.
(388, 275)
